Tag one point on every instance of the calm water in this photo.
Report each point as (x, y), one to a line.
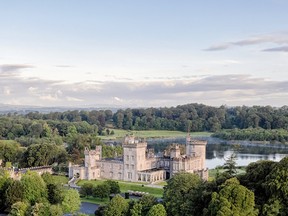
(88, 208)
(217, 150)
(217, 153)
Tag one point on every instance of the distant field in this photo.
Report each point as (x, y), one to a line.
(152, 134)
(125, 186)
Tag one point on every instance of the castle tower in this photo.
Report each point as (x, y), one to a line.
(91, 156)
(190, 151)
(196, 148)
(134, 157)
(175, 152)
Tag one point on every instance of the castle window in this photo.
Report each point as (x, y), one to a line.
(119, 175)
(132, 158)
(111, 174)
(127, 166)
(132, 166)
(127, 157)
(129, 175)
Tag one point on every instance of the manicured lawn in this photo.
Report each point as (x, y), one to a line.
(157, 192)
(162, 183)
(126, 186)
(95, 200)
(151, 134)
(60, 179)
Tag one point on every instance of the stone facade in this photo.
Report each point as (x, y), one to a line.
(16, 173)
(140, 165)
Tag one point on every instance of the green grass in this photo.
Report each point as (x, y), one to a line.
(213, 172)
(60, 179)
(125, 186)
(157, 192)
(161, 183)
(95, 200)
(152, 134)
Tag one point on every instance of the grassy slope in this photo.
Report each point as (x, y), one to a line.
(125, 186)
(60, 179)
(152, 134)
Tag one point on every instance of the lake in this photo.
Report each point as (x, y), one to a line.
(217, 153)
(218, 150)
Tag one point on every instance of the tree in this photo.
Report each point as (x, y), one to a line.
(9, 151)
(230, 165)
(114, 186)
(71, 201)
(102, 191)
(232, 199)
(147, 201)
(34, 187)
(277, 185)
(86, 189)
(14, 193)
(136, 209)
(48, 178)
(19, 209)
(5, 182)
(40, 209)
(157, 210)
(176, 191)
(255, 179)
(56, 210)
(100, 211)
(55, 193)
(118, 206)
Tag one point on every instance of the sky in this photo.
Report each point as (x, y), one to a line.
(151, 53)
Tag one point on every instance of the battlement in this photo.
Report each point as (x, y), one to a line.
(132, 141)
(198, 142)
(97, 150)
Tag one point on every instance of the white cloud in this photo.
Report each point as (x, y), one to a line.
(118, 99)
(212, 90)
(274, 38)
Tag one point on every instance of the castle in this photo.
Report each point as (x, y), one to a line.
(140, 165)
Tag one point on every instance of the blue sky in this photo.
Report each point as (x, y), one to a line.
(143, 53)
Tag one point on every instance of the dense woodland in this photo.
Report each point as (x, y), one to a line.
(38, 139)
(261, 190)
(195, 117)
(36, 195)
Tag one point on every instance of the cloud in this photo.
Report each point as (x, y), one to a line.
(64, 66)
(277, 38)
(228, 89)
(13, 67)
(277, 49)
(219, 47)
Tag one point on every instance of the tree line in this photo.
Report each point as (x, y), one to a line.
(259, 134)
(193, 117)
(36, 195)
(261, 190)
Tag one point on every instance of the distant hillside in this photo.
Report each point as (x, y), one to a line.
(23, 109)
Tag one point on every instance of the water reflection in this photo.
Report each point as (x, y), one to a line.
(216, 153)
(217, 150)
